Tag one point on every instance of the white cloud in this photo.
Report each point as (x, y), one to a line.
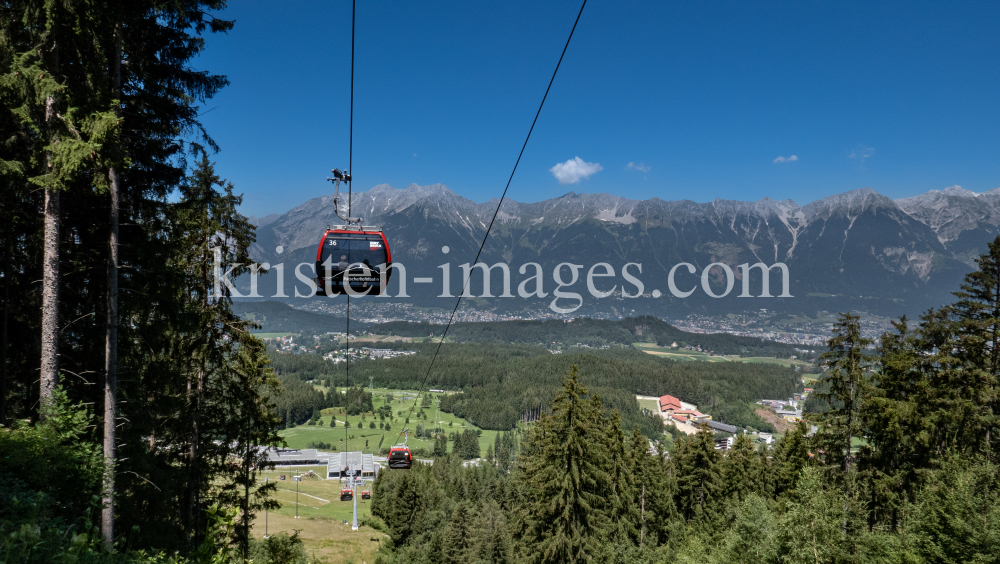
(861, 153)
(788, 159)
(574, 170)
(640, 167)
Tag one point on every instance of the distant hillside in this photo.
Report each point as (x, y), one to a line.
(591, 332)
(276, 317)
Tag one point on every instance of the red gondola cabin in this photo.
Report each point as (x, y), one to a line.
(400, 458)
(346, 494)
(359, 257)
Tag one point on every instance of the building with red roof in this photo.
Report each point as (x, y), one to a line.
(669, 403)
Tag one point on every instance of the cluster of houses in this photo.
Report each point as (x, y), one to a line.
(287, 345)
(365, 352)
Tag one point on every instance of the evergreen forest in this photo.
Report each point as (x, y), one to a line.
(134, 400)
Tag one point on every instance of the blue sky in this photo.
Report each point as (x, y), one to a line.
(701, 98)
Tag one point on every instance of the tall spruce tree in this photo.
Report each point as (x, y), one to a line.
(114, 155)
(848, 364)
(623, 503)
(742, 472)
(57, 91)
(895, 427)
(566, 478)
(975, 318)
(846, 382)
(699, 480)
(791, 456)
(457, 544)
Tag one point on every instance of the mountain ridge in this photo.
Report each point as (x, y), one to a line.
(857, 244)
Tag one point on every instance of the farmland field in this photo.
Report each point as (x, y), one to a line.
(685, 354)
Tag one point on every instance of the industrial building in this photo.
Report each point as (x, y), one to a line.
(339, 464)
(296, 457)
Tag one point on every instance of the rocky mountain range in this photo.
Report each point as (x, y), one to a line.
(858, 250)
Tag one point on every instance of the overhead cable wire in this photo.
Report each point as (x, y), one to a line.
(468, 279)
(350, 176)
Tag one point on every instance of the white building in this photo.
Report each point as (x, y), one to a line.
(340, 462)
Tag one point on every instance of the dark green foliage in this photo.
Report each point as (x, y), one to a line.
(279, 548)
(47, 471)
(699, 477)
(956, 518)
(845, 384)
(440, 445)
(457, 544)
(790, 456)
(568, 473)
(505, 451)
(466, 444)
(298, 401)
(752, 538)
(321, 445)
(358, 401)
(742, 471)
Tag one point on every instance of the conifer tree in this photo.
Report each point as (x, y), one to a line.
(742, 471)
(751, 540)
(811, 529)
(895, 426)
(640, 464)
(440, 445)
(457, 544)
(698, 477)
(563, 467)
(974, 321)
(847, 362)
(623, 506)
(57, 88)
(661, 486)
(791, 456)
(400, 508)
(492, 538)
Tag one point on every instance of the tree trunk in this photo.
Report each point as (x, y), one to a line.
(49, 376)
(3, 323)
(194, 466)
(111, 332)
